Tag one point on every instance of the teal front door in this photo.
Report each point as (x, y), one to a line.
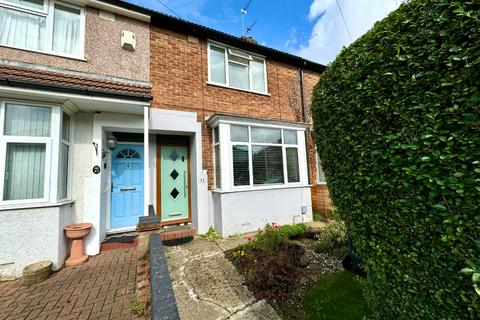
(127, 186)
(174, 184)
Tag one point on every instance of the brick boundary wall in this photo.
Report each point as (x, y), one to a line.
(163, 302)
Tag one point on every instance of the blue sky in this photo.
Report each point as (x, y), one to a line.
(313, 29)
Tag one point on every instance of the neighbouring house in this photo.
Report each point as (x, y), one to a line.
(110, 112)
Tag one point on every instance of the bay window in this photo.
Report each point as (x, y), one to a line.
(42, 25)
(32, 138)
(258, 156)
(236, 69)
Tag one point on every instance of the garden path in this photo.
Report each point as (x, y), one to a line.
(207, 285)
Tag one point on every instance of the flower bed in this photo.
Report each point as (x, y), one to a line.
(282, 266)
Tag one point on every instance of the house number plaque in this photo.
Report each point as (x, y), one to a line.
(96, 169)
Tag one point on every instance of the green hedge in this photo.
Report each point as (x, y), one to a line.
(397, 124)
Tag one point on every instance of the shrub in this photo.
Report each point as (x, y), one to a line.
(273, 274)
(333, 236)
(274, 235)
(294, 231)
(397, 125)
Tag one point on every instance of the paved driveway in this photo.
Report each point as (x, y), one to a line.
(102, 288)
(208, 287)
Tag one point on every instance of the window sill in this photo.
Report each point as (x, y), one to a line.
(237, 89)
(35, 205)
(296, 186)
(59, 55)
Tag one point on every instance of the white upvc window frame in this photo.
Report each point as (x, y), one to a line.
(226, 156)
(48, 13)
(248, 56)
(216, 184)
(68, 143)
(52, 150)
(318, 167)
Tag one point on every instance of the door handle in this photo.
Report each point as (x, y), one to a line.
(128, 189)
(184, 184)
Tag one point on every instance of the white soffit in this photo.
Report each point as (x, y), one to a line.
(115, 9)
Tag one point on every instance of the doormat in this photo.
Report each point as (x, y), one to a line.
(123, 239)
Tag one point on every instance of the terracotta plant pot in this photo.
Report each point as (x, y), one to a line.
(76, 232)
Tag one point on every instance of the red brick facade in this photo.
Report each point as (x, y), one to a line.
(179, 74)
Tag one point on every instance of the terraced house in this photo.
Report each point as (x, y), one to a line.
(110, 112)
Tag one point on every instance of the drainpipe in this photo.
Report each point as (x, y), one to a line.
(305, 119)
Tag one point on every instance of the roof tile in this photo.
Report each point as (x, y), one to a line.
(74, 82)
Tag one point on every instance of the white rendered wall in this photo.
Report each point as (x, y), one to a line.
(31, 235)
(81, 165)
(246, 211)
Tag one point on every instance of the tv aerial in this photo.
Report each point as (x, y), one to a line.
(247, 31)
(244, 12)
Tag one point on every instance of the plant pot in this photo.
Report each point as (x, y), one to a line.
(37, 272)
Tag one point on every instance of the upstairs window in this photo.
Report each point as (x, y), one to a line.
(237, 69)
(42, 25)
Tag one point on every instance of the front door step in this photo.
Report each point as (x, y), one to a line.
(119, 241)
(177, 232)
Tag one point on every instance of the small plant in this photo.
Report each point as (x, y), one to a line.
(317, 217)
(332, 237)
(238, 255)
(212, 234)
(137, 307)
(474, 270)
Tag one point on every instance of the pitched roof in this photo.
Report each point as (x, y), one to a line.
(173, 23)
(71, 82)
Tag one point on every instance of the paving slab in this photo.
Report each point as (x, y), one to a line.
(207, 285)
(260, 310)
(231, 242)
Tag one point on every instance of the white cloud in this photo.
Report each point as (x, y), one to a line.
(329, 34)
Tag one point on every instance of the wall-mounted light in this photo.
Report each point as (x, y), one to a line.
(112, 143)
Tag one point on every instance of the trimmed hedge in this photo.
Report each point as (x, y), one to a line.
(397, 124)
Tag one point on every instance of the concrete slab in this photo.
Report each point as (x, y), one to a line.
(232, 242)
(207, 285)
(200, 246)
(260, 310)
(216, 279)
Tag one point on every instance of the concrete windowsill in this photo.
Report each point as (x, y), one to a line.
(237, 89)
(36, 205)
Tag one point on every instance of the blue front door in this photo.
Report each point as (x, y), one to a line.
(127, 185)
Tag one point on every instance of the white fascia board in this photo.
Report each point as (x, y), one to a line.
(116, 9)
